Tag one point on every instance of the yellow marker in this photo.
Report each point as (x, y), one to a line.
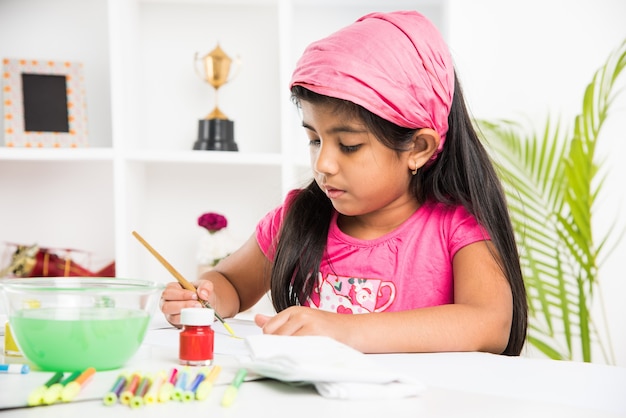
(36, 396)
(153, 393)
(204, 389)
(167, 389)
(72, 389)
(53, 393)
(231, 391)
(166, 392)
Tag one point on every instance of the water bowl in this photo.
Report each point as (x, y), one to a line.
(72, 323)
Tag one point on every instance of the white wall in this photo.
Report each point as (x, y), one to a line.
(527, 59)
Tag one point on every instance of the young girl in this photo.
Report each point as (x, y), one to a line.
(402, 242)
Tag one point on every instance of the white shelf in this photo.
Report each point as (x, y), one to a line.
(204, 157)
(60, 154)
(144, 100)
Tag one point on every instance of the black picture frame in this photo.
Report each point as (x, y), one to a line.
(44, 104)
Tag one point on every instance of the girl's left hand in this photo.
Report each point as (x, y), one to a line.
(300, 320)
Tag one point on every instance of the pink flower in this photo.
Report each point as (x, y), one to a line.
(212, 221)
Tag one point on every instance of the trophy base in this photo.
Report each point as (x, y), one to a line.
(216, 135)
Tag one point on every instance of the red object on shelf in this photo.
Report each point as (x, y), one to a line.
(49, 264)
(35, 261)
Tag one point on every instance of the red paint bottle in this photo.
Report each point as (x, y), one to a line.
(197, 336)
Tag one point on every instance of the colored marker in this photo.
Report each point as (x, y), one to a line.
(167, 389)
(137, 400)
(181, 385)
(190, 393)
(130, 389)
(231, 391)
(14, 368)
(74, 387)
(36, 396)
(153, 393)
(53, 393)
(112, 396)
(205, 387)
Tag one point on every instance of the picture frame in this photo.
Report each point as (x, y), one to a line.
(44, 104)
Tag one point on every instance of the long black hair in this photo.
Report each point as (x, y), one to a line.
(462, 174)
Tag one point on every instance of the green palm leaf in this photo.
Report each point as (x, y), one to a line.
(551, 183)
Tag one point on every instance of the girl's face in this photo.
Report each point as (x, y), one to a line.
(360, 176)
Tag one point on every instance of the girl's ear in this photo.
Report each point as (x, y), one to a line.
(425, 144)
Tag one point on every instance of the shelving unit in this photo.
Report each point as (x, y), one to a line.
(144, 100)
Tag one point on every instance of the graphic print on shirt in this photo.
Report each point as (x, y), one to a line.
(344, 294)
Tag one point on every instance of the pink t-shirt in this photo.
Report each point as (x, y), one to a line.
(408, 268)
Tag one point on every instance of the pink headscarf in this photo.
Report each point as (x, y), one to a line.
(396, 65)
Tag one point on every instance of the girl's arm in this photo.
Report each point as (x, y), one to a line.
(234, 285)
(479, 320)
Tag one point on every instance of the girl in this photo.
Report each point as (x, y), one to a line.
(405, 220)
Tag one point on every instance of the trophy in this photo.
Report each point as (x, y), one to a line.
(215, 132)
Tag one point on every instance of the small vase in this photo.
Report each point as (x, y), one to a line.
(212, 247)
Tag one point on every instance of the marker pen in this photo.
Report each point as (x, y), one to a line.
(53, 393)
(205, 387)
(231, 391)
(130, 389)
(112, 396)
(137, 400)
(181, 385)
(153, 393)
(165, 393)
(36, 396)
(190, 393)
(14, 368)
(73, 388)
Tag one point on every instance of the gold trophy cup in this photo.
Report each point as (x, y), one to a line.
(215, 132)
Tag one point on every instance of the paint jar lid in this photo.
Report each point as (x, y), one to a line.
(197, 316)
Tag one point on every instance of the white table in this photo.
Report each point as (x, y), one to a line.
(458, 385)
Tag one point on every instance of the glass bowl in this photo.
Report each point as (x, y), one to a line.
(72, 323)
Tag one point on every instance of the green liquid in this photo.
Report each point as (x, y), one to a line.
(77, 338)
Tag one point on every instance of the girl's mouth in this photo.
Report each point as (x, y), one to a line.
(333, 193)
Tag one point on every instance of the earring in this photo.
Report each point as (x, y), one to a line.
(414, 171)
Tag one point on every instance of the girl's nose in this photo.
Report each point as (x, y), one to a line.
(324, 160)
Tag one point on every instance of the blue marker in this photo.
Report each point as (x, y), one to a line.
(14, 368)
(190, 393)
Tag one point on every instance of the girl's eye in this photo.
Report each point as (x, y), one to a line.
(350, 148)
(314, 143)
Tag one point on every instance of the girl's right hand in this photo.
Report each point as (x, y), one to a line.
(236, 279)
(175, 297)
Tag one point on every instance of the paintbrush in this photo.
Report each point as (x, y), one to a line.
(183, 282)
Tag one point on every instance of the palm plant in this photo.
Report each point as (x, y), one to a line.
(552, 182)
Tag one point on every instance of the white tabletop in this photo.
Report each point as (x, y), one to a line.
(457, 384)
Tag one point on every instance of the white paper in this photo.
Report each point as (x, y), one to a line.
(335, 369)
